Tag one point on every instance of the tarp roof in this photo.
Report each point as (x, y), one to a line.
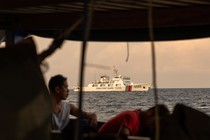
(112, 20)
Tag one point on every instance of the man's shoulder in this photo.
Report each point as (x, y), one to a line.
(65, 103)
(130, 113)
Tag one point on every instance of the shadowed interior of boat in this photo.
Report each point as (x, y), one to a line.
(25, 101)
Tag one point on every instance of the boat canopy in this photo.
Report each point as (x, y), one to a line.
(112, 20)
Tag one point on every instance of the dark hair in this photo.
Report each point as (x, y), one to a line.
(149, 130)
(162, 110)
(57, 80)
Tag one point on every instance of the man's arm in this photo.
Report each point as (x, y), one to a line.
(87, 115)
(123, 131)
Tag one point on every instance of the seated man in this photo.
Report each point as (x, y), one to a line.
(58, 87)
(134, 122)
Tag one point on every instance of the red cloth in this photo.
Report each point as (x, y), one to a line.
(130, 119)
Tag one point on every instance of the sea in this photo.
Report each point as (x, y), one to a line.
(108, 104)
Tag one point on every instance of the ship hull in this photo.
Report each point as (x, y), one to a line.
(141, 87)
(129, 88)
(102, 89)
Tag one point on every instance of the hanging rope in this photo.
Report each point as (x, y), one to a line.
(151, 36)
(88, 10)
(127, 52)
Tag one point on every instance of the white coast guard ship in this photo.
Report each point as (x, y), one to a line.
(117, 83)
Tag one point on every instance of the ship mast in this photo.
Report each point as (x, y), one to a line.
(115, 71)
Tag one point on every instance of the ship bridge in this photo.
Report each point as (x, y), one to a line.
(126, 80)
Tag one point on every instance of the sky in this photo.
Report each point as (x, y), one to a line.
(179, 64)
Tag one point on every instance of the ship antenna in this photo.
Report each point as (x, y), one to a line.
(115, 71)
